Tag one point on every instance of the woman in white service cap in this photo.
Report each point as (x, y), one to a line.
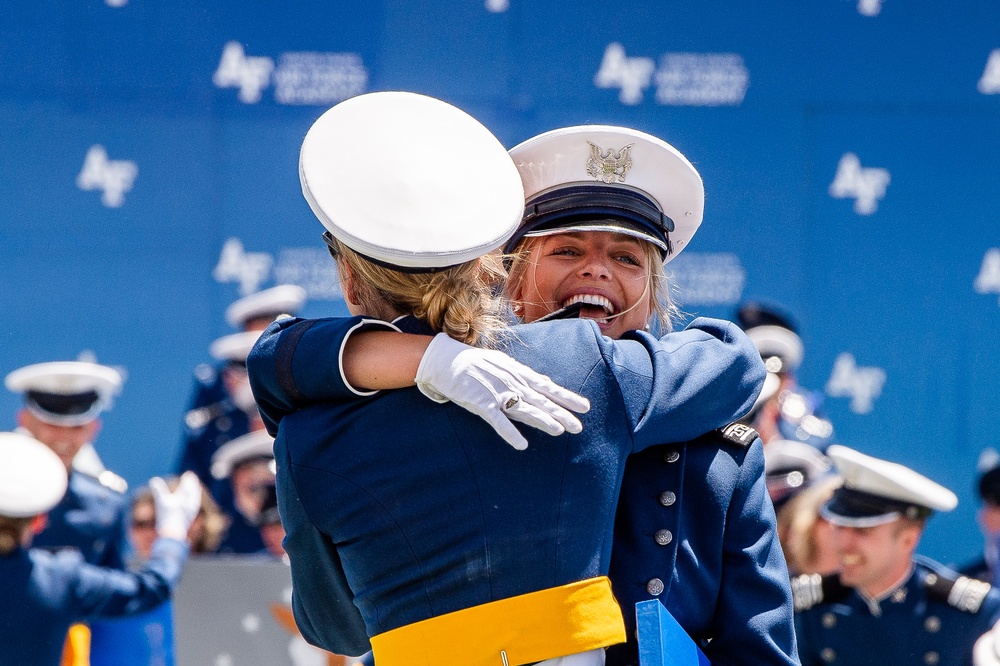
(412, 526)
(44, 593)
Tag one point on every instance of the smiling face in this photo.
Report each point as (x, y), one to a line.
(873, 559)
(608, 273)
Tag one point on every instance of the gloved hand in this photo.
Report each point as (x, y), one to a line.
(175, 511)
(498, 389)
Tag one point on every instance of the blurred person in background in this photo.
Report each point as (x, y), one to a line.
(887, 605)
(246, 465)
(988, 518)
(676, 532)
(250, 313)
(790, 411)
(147, 639)
(269, 524)
(800, 480)
(209, 428)
(46, 593)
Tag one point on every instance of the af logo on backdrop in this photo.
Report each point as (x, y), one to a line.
(112, 177)
(989, 83)
(299, 78)
(863, 385)
(682, 79)
(308, 267)
(988, 280)
(866, 185)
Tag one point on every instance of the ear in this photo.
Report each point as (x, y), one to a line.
(38, 524)
(22, 418)
(348, 285)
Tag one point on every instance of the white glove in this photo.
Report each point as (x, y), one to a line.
(498, 389)
(175, 511)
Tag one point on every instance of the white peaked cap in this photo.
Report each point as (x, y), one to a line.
(235, 347)
(66, 393)
(566, 172)
(877, 491)
(32, 478)
(283, 299)
(773, 340)
(256, 444)
(410, 181)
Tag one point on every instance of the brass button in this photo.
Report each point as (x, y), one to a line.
(829, 620)
(932, 658)
(932, 624)
(828, 655)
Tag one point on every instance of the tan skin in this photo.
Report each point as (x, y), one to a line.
(65, 441)
(601, 264)
(874, 559)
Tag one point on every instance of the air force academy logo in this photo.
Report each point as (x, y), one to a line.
(250, 269)
(631, 75)
(113, 177)
(989, 84)
(866, 185)
(988, 280)
(251, 74)
(869, 7)
(861, 385)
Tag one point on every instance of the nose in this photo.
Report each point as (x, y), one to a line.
(595, 265)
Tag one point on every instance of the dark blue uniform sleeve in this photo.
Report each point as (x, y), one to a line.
(701, 378)
(99, 592)
(297, 361)
(755, 623)
(322, 601)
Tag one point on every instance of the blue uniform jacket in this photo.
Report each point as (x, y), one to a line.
(411, 509)
(91, 519)
(44, 593)
(695, 528)
(934, 618)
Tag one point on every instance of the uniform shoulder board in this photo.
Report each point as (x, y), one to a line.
(112, 481)
(961, 592)
(809, 590)
(739, 434)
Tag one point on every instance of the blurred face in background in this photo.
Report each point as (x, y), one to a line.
(65, 441)
(142, 528)
(873, 559)
(250, 481)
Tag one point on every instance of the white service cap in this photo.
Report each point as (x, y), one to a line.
(66, 393)
(877, 491)
(234, 347)
(607, 178)
(410, 181)
(32, 478)
(283, 299)
(251, 446)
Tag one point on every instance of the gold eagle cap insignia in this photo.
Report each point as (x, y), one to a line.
(609, 165)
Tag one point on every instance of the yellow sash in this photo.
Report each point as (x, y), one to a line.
(76, 650)
(531, 627)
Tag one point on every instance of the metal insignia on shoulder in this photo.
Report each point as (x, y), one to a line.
(609, 166)
(739, 434)
(967, 594)
(807, 591)
(110, 480)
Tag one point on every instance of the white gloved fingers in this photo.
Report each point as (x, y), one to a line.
(503, 427)
(189, 493)
(158, 488)
(554, 392)
(526, 413)
(540, 403)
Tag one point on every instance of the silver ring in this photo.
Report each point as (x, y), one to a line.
(511, 402)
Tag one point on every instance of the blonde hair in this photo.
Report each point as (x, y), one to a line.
(12, 531)
(797, 524)
(663, 310)
(457, 301)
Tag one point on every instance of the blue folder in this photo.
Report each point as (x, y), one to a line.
(662, 641)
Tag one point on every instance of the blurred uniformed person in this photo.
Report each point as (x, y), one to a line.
(250, 313)
(987, 566)
(210, 427)
(62, 405)
(246, 466)
(785, 410)
(887, 606)
(44, 593)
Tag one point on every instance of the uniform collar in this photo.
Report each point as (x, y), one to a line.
(896, 593)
